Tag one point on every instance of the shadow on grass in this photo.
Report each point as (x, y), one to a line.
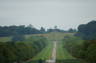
(70, 61)
(37, 61)
(59, 61)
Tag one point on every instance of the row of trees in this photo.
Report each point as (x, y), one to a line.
(81, 49)
(73, 45)
(83, 44)
(21, 51)
(22, 30)
(56, 29)
(88, 49)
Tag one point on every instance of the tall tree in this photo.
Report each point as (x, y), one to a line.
(42, 30)
(87, 31)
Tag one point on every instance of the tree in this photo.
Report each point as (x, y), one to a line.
(87, 31)
(18, 38)
(30, 26)
(55, 27)
(71, 30)
(42, 30)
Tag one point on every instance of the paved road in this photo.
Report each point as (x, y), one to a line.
(53, 56)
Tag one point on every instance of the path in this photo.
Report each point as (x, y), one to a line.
(53, 56)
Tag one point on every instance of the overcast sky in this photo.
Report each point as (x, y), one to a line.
(47, 13)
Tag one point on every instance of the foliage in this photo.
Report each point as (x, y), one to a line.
(81, 49)
(89, 51)
(42, 30)
(21, 30)
(87, 31)
(71, 30)
(18, 38)
(55, 30)
(22, 50)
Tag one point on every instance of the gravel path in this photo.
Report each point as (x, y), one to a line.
(53, 56)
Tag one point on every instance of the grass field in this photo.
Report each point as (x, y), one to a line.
(62, 53)
(45, 53)
(51, 36)
(5, 39)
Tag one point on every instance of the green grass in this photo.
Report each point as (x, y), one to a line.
(62, 53)
(57, 35)
(45, 53)
(5, 39)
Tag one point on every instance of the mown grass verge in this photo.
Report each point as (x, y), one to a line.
(45, 53)
(62, 53)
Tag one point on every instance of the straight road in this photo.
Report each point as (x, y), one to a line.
(53, 56)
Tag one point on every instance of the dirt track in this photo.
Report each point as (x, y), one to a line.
(53, 56)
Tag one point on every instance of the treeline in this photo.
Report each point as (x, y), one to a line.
(73, 45)
(56, 29)
(83, 44)
(22, 29)
(87, 31)
(21, 51)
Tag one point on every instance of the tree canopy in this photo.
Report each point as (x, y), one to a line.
(14, 30)
(87, 31)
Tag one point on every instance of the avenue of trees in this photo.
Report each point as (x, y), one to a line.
(83, 44)
(21, 51)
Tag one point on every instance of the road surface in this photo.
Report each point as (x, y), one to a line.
(53, 56)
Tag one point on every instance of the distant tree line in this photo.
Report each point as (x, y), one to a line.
(13, 30)
(22, 30)
(56, 29)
